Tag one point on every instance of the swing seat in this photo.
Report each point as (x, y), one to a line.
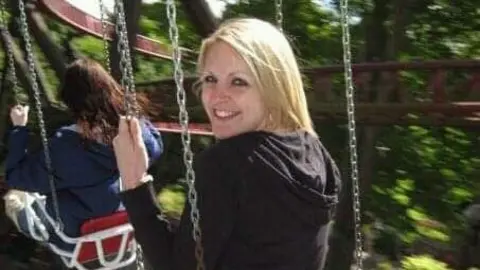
(106, 242)
(110, 245)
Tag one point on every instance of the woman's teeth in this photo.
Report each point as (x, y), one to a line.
(224, 113)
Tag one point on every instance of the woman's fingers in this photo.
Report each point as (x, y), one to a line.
(122, 126)
(136, 131)
(130, 152)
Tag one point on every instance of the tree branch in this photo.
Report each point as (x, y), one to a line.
(201, 16)
(14, 30)
(21, 66)
(40, 33)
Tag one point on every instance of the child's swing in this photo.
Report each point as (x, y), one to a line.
(108, 240)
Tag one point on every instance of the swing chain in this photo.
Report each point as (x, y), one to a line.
(183, 119)
(279, 14)
(123, 48)
(106, 52)
(38, 106)
(349, 91)
(139, 259)
(9, 48)
(127, 80)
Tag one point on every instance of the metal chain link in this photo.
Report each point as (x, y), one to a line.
(139, 260)
(9, 48)
(127, 80)
(183, 120)
(279, 14)
(349, 92)
(38, 106)
(128, 83)
(106, 52)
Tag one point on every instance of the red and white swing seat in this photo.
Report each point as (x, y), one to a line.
(108, 240)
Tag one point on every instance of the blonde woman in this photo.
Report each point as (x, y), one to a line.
(268, 188)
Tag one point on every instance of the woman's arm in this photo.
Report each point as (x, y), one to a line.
(166, 250)
(151, 231)
(17, 145)
(24, 170)
(138, 198)
(217, 200)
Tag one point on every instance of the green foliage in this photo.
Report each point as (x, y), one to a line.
(90, 47)
(172, 200)
(311, 29)
(424, 174)
(384, 266)
(154, 24)
(423, 262)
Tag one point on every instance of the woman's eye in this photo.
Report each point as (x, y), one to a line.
(209, 79)
(239, 82)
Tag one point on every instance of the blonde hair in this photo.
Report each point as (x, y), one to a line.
(271, 60)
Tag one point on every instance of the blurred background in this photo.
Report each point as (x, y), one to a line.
(417, 80)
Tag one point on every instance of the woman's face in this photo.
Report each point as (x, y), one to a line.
(229, 93)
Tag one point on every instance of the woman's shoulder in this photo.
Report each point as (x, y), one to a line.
(69, 136)
(225, 153)
(65, 132)
(69, 128)
(233, 146)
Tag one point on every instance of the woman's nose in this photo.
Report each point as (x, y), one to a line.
(220, 92)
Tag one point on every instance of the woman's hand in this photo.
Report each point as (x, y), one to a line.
(19, 115)
(130, 152)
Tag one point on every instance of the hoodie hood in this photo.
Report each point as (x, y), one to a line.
(299, 172)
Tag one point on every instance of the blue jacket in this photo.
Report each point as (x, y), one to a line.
(86, 177)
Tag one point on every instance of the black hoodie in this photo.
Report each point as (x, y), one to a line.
(265, 201)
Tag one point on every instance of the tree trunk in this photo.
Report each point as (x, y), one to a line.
(385, 84)
(401, 19)
(132, 10)
(49, 47)
(201, 16)
(342, 244)
(21, 67)
(15, 31)
(56, 115)
(132, 16)
(6, 97)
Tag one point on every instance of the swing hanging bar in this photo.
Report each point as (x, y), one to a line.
(38, 106)
(186, 139)
(349, 92)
